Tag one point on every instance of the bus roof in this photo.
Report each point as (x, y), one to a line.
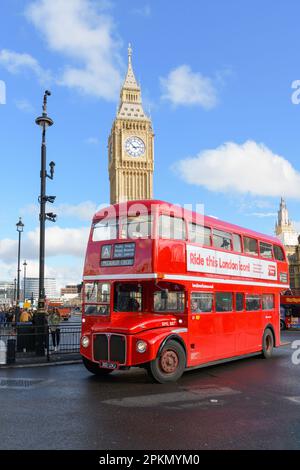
(191, 215)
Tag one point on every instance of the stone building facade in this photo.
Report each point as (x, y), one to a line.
(286, 232)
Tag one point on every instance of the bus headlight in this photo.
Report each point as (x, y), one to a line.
(85, 342)
(141, 346)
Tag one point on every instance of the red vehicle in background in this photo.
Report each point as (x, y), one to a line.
(167, 289)
(65, 312)
(290, 311)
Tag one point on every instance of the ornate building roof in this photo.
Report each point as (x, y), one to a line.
(130, 106)
(284, 228)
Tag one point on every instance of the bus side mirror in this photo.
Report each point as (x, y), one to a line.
(164, 294)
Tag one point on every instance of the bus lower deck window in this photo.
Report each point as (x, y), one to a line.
(253, 302)
(268, 301)
(173, 302)
(128, 298)
(224, 302)
(201, 302)
(239, 302)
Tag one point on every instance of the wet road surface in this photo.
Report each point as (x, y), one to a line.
(246, 404)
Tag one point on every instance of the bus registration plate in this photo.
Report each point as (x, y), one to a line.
(108, 365)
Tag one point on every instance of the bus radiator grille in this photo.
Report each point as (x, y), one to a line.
(101, 348)
(117, 349)
(108, 347)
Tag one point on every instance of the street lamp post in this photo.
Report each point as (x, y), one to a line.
(15, 288)
(24, 279)
(20, 228)
(44, 121)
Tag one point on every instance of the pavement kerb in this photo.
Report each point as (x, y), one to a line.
(47, 364)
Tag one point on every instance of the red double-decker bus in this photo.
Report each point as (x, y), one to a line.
(167, 289)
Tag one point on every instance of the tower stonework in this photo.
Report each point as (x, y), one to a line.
(284, 228)
(131, 145)
(285, 231)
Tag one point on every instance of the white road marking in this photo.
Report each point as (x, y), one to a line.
(294, 399)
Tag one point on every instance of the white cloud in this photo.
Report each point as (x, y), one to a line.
(59, 242)
(184, 87)
(17, 63)
(82, 211)
(262, 215)
(24, 105)
(247, 168)
(84, 32)
(71, 274)
(144, 11)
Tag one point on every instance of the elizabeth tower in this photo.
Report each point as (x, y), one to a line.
(130, 145)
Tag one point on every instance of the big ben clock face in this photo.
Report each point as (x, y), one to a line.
(135, 147)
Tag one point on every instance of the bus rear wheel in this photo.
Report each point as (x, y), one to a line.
(94, 368)
(267, 344)
(169, 364)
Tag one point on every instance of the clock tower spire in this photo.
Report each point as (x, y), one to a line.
(130, 145)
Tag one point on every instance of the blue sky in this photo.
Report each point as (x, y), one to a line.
(216, 76)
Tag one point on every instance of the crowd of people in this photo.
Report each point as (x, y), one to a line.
(8, 315)
(27, 316)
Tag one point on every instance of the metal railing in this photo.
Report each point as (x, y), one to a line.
(19, 341)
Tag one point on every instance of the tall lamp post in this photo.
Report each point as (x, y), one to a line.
(20, 228)
(44, 121)
(24, 279)
(15, 288)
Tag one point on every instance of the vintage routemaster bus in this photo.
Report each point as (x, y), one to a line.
(167, 289)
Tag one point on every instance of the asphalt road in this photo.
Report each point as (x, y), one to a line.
(246, 404)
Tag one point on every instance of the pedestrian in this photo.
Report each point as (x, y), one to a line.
(10, 316)
(2, 317)
(53, 322)
(25, 317)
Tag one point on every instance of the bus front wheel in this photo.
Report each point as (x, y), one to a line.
(267, 344)
(169, 364)
(94, 368)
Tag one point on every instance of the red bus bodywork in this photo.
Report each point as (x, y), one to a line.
(156, 268)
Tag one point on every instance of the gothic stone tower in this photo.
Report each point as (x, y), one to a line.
(130, 145)
(285, 230)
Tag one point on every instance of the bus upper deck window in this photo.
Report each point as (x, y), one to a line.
(222, 239)
(172, 228)
(265, 250)
(106, 229)
(250, 246)
(199, 234)
(237, 242)
(138, 226)
(278, 253)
